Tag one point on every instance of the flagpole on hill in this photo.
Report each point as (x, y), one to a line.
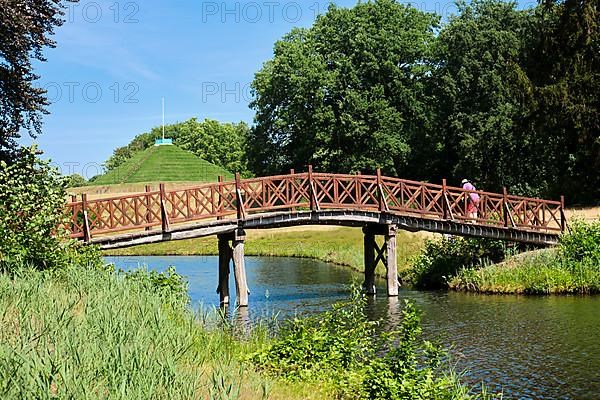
(163, 118)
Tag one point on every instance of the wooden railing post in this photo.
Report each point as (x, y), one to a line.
(358, 192)
(311, 185)
(87, 234)
(505, 206)
(288, 188)
(383, 206)
(444, 199)
(563, 218)
(163, 209)
(73, 227)
(241, 213)
(220, 198)
(148, 205)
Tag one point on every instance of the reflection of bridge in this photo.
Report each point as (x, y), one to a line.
(378, 204)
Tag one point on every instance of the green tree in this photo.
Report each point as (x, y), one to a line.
(32, 198)
(346, 94)
(482, 94)
(75, 180)
(26, 27)
(565, 65)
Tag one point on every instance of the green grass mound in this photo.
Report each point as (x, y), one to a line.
(163, 164)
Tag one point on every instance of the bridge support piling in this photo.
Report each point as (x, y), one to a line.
(386, 254)
(391, 262)
(370, 263)
(225, 255)
(239, 268)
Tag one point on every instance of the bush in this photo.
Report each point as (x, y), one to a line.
(32, 197)
(442, 259)
(583, 242)
(75, 180)
(344, 348)
(32, 210)
(167, 284)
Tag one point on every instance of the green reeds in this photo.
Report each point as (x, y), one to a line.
(89, 334)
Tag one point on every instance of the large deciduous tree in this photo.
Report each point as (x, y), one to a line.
(346, 94)
(482, 94)
(565, 65)
(26, 27)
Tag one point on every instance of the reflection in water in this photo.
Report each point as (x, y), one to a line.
(529, 347)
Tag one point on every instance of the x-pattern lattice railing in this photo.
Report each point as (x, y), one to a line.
(307, 191)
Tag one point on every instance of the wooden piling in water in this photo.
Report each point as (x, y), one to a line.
(225, 255)
(391, 261)
(369, 254)
(239, 268)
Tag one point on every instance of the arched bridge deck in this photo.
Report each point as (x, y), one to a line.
(311, 198)
(378, 204)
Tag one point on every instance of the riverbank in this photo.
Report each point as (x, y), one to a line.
(95, 333)
(537, 272)
(573, 267)
(83, 333)
(336, 245)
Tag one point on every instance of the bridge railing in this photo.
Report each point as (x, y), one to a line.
(307, 191)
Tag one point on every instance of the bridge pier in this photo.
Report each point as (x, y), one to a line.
(391, 262)
(369, 245)
(386, 254)
(239, 268)
(226, 254)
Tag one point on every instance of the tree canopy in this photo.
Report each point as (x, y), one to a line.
(346, 94)
(26, 27)
(504, 96)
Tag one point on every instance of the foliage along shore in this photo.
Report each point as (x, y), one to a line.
(487, 266)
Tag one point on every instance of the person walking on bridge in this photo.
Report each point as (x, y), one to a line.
(472, 200)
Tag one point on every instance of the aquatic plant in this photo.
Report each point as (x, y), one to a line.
(343, 347)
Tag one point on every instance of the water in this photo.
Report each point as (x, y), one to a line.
(527, 347)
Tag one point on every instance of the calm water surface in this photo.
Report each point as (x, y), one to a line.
(528, 347)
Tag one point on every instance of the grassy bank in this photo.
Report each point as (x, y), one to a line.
(81, 333)
(573, 267)
(337, 245)
(95, 334)
(537, 272)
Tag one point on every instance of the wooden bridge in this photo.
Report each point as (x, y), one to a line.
(378, 204)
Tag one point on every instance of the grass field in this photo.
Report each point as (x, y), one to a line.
(338, 245)
(536, 272)
(586, 213)
(163, 164)
(89, 334)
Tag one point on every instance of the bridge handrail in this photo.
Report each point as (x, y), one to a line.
(307, 190)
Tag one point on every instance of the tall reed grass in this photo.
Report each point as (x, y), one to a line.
(89, 334)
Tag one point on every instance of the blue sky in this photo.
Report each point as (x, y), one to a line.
(116, 59)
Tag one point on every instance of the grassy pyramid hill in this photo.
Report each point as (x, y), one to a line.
(163, 164)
